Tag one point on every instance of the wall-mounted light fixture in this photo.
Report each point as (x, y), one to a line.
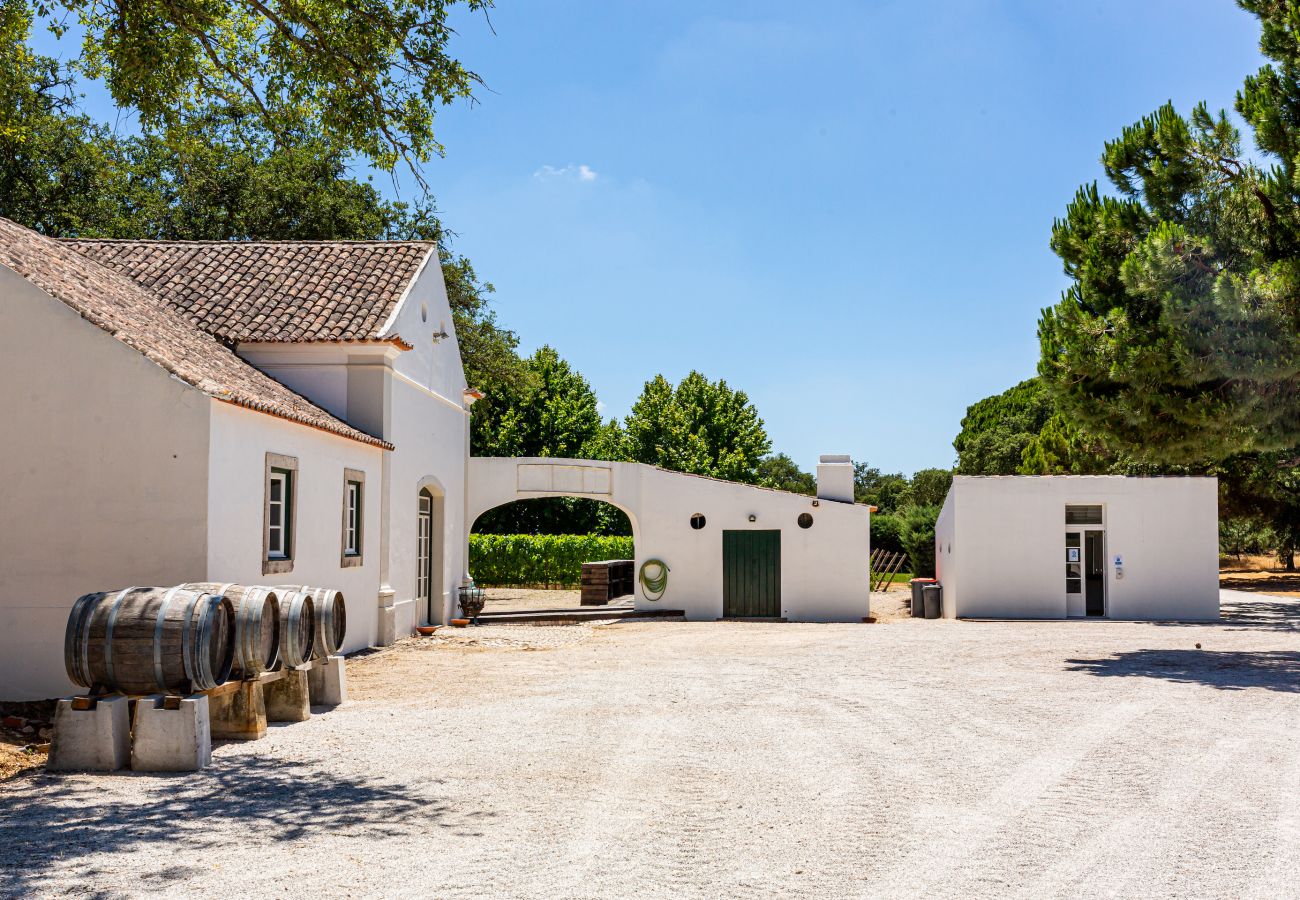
(817, 503)
(440, 335)
(753, 518)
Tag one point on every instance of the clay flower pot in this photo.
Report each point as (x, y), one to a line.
(426, 630)
(459, 623)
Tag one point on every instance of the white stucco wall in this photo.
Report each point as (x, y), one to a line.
(1007, 556)
(429, 425)
(945, 563)
(824, 569)
(240, 440)
(103, 456)
(415, 400)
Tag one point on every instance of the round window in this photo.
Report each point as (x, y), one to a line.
(697, 521)
(805, 520)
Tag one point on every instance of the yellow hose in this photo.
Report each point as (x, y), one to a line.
(654, 584)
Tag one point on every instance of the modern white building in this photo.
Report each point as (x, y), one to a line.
(1079, 546)
(732, 550)
(264, 412)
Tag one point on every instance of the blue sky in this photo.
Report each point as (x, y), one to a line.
(801, 198)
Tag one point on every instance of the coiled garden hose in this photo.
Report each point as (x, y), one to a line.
(654, 581)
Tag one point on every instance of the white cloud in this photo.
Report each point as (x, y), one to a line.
(573, 172)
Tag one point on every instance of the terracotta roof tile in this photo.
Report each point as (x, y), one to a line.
(145, 323)
(282, 291)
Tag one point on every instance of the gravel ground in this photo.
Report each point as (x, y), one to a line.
(904, 758)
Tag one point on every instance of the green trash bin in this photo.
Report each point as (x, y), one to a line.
(918, 599)
(933, 600)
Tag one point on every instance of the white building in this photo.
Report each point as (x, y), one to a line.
(732, 550)
(235, 412)
(297, 413)
(1053, 547)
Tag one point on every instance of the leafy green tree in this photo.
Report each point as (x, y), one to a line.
(783, 473)
(219, 177)
(929, 487)
(1264, 489)
(887, 533)
(1179, 339)
(1061, 449)
(996, 431)
(887, 492)
(700, 427)
(551, 411)
(370, 75)
(916, 533)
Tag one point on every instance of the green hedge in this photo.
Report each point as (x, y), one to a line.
(552, 560)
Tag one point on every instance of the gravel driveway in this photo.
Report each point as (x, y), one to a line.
(904, 758)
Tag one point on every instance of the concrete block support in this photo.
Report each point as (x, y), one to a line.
(328, 682)
(239, 715)
(289, 698)
(387, 627)
(94, 739)
(171, 734)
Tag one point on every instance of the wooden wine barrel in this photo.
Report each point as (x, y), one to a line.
(331, 620)
(147, 640)
(257, 625)
(297, 626)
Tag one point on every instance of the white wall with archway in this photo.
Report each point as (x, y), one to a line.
(824, 568)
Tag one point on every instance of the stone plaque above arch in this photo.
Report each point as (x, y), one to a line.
(563, 479)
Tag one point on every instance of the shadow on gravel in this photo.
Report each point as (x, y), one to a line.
(54, 820)
(1240, 611)
(1275, 670)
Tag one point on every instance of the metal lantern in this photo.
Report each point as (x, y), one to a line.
(471, 602)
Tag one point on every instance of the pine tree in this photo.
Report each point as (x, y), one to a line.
(1178, 341)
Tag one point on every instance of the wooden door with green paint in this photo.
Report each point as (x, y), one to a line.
(751, 574)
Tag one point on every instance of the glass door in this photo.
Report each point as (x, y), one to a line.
(1074, 598)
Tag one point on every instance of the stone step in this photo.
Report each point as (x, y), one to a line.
(575, 616)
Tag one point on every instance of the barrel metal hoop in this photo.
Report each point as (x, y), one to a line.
(108, 633)
(295, 616)
(157, 638)
(187, 653)
(204, 676)
(75, 646)
(239, 615)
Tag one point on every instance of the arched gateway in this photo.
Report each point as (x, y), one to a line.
(768, 553)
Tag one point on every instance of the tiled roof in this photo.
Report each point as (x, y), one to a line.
(291, 291)
(143, 322)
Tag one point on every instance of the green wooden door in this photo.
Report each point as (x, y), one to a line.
(751, 574)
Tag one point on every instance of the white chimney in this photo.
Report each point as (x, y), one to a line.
(835, 478)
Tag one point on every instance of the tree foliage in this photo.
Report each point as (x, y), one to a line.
(370, 74)
(916, 533)
(888, 492)
(220, 176)
(540, 559)
(781, 472)
(549, 411)
(1178, 340)
(996, 431)
(700, 427)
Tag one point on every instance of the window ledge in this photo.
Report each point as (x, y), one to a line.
(350, 561)
(276, 566)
